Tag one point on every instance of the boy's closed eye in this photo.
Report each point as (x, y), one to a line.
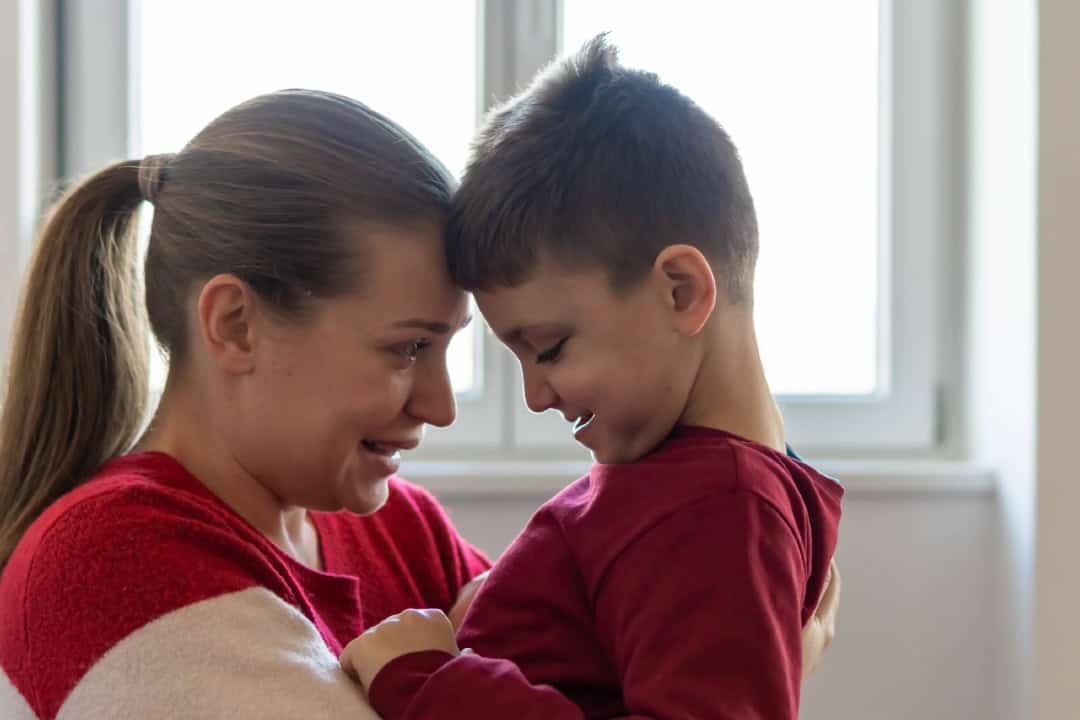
(552, 353)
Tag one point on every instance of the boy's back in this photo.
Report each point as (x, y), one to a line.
(675, 586)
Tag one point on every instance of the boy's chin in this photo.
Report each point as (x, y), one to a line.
(625, 452)
(615, 455)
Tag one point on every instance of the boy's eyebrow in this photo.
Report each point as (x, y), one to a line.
(432, 326)
(519, 332)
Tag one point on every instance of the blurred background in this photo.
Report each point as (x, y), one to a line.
(916, 169)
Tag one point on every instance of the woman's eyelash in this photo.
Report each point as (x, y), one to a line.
(411, 350)
(551, 353)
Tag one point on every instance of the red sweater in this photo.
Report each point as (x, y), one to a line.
(673, 587)
(141, 594)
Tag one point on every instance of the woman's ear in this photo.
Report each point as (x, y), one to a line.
(225, 311)
(689, 285)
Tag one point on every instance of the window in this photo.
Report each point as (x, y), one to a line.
(843, 111)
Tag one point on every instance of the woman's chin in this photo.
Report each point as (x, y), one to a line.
(364, 496)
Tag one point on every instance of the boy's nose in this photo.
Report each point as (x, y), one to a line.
(539, 395)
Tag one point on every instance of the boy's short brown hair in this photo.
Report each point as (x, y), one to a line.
(599, 165)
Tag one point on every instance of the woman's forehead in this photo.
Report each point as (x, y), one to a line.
(405, 279)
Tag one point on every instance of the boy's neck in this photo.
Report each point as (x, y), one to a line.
(730, 392)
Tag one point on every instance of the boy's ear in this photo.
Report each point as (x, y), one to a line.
(226, 309)
(689, 286)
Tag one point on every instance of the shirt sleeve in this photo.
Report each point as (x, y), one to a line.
(436, 686)
(703, 613)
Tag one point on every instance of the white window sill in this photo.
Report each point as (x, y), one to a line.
(496, 479)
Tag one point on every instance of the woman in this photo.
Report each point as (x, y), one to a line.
(295, 278)
(200, 568)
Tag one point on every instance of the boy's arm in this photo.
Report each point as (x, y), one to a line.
(441, 685)
(433, 680)
(703, 613)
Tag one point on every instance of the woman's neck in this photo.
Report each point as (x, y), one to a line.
(188, 432)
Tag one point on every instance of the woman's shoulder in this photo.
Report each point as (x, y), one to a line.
(128, 508)
(132, 545)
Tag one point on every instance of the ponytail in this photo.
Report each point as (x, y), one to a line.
(77, 383)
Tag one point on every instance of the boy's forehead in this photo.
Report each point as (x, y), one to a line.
(510, 311)
(550, 297)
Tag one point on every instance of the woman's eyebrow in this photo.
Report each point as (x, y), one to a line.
(432, 326)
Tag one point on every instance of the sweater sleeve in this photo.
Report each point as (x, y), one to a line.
(245, 655)
(703, 613)
(143, 604)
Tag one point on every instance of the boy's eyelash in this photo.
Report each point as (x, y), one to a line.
(551, 353)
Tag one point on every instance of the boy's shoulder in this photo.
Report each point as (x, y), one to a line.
(614, 504)
(694, 462)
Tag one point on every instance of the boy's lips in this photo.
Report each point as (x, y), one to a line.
(583, 421)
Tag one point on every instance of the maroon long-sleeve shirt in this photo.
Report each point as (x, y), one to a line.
(673, 587)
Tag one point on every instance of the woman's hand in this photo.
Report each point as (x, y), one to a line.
(407, 632)
(465, 598)
(821, 628)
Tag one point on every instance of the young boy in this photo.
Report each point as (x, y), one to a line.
(606, 227)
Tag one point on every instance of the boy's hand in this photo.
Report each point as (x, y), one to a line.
(407, 632)
(465, 598)
(821, 628)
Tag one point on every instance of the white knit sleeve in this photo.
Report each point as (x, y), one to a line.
(244, 655)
